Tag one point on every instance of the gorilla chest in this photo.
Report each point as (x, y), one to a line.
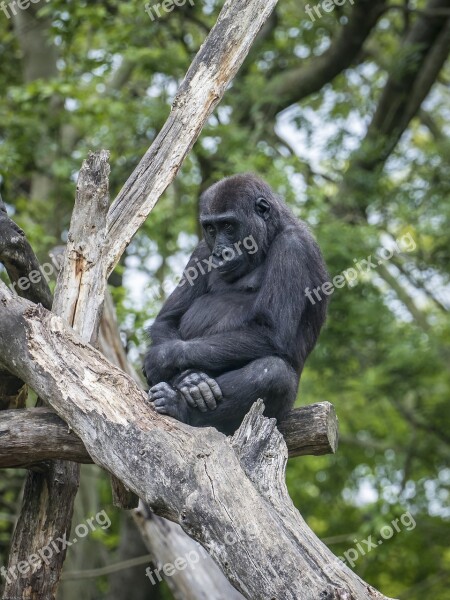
(215, 313)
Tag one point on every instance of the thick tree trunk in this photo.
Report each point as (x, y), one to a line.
(221, 490)
(312, 429)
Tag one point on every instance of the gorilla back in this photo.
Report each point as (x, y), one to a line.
(239, 326)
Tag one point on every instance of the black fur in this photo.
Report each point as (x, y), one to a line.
(243, 330)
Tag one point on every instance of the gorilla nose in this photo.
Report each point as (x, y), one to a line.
(218, 251)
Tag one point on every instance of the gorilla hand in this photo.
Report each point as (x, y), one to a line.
(199, 390)
(168, 401)
(162, 361)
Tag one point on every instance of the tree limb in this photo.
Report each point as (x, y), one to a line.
(413, 72)
(35, 435)
(291, 86)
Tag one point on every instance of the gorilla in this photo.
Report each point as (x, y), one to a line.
(238, 327)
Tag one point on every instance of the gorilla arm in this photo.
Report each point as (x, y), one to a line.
(164, 332)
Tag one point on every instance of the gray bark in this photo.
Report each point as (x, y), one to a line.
(200, 580)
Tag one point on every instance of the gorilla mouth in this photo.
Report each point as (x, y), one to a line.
(223, 265)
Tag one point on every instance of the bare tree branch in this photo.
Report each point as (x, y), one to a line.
(35, 435)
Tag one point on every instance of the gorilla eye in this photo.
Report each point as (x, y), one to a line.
(228, 227)
(210, 230)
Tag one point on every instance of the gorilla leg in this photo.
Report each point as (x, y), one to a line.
(269, 378)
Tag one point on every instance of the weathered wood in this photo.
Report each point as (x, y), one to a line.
(228, 494)
(111, 346)
(311, 429)
(35, 435)
(48, 497)
(163, 538)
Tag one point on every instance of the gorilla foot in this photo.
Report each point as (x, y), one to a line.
(168, 401)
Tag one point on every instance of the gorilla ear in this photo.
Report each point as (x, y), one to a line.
(262, 208)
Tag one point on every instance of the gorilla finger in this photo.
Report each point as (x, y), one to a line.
(179, 379)
(160, 402)
(189, 400)
(215, 388)
(197, 395)
(159, 386)
(191, 380)
(159, 394)
(162, 410)
(207, 395)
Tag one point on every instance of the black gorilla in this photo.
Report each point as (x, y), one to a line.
(238, 327)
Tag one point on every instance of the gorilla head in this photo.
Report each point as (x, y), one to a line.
(237, 209)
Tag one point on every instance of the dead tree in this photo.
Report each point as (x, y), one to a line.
(230, 488)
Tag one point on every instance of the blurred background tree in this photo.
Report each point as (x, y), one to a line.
(347, 117)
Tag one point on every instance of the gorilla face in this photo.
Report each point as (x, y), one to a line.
(234, 210)
(224, 236)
